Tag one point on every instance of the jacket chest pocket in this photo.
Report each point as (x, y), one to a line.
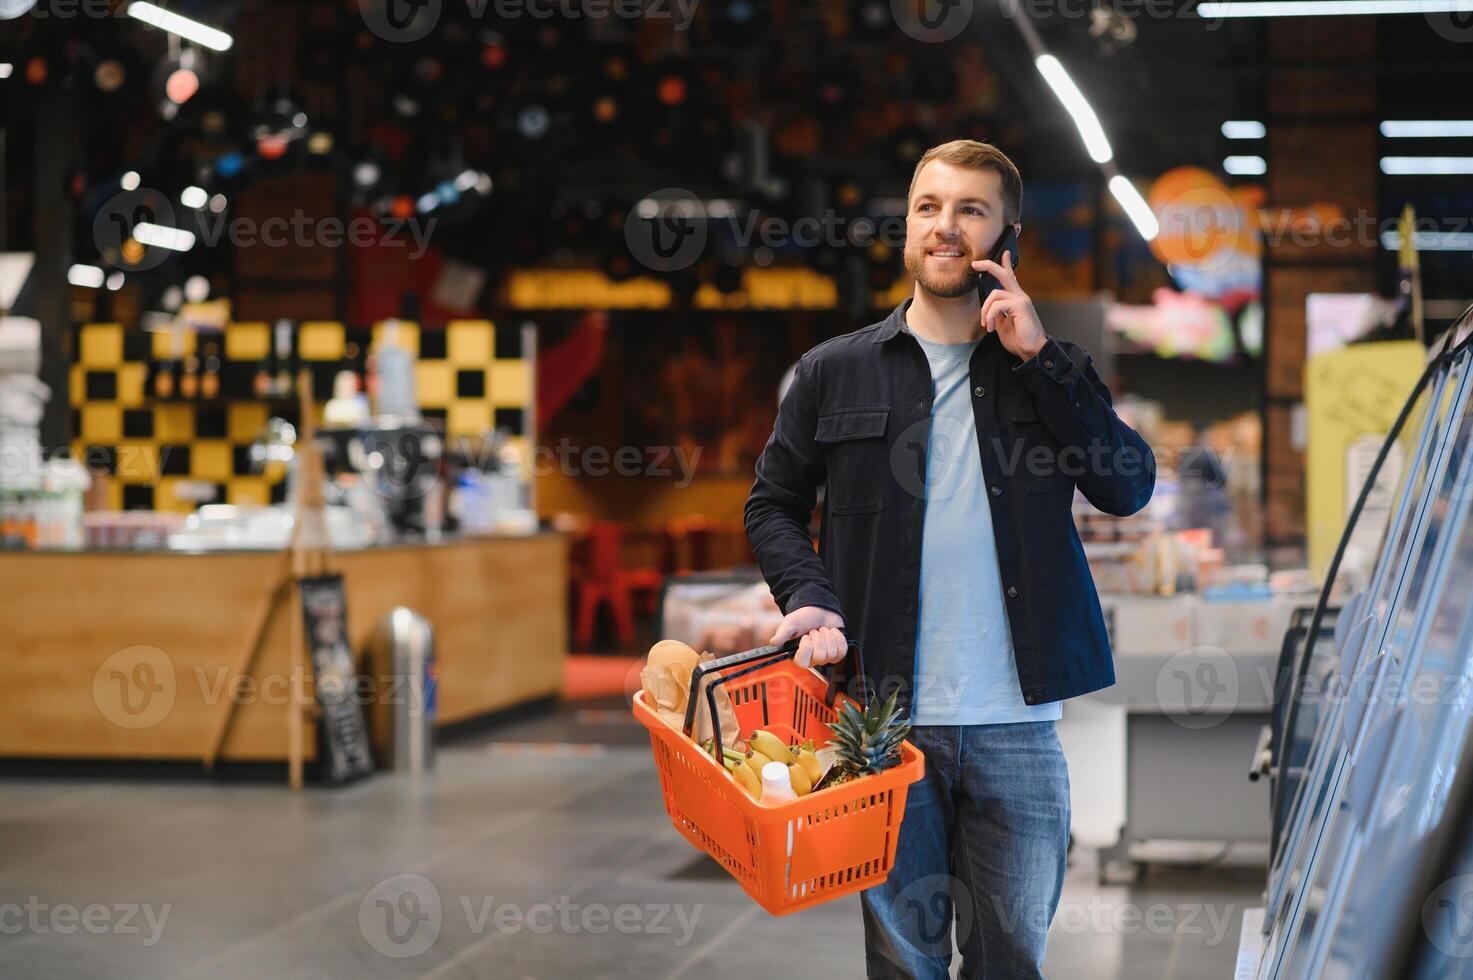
(1042, 468)
(854, 446)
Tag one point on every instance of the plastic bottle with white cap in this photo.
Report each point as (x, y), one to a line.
(777, 785)
(777, 788)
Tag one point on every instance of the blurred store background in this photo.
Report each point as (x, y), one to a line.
(511, 290)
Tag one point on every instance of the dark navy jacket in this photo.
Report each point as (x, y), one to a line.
(857, 418)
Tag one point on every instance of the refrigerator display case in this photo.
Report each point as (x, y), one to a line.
(1380, 718)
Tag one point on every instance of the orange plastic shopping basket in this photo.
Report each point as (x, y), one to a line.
(791, 855)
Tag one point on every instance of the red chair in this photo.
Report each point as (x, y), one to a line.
(606, 580)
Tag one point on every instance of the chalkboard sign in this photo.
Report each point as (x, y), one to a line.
(343, 750)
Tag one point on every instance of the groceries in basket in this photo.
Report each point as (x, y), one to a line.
(862, 741)
(666, 682)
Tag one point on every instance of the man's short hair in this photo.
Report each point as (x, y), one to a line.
(977, 155)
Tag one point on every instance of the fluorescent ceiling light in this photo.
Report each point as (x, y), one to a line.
(6, 69)
(174, 239)
(1329, 8)
(1431, 241)
(194, 197)
(1244, 129)
(87, 276)
(1245, 166)
(1079, 108)
(190, 30)
(1427, 165)
(1426, 127)
(1135, 207)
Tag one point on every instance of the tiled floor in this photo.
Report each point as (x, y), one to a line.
(538, 850)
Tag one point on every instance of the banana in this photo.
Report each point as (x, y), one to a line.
(798, 776)
(755, 761)
(809, 763)
(745, 779)
(771, 746)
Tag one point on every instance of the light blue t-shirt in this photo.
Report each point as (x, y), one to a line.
(965, 672)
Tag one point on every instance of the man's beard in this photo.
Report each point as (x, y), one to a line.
(950, 287)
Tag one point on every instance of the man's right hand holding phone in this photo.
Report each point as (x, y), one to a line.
(822, 642)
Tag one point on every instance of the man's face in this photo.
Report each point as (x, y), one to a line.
(955, 217)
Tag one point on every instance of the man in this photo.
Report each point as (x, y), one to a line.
(951, 436)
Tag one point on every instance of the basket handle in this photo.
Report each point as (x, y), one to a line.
(754, 660)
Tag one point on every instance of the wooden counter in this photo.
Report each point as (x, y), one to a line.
(128, 655)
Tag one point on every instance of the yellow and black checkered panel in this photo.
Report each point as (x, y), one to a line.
(471, 376)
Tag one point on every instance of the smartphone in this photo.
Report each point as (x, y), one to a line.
(1007, 242)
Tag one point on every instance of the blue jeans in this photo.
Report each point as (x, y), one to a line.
(983, 845)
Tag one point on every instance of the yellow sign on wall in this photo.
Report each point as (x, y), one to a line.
(1352, 397)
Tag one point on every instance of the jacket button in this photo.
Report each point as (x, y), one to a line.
(996, 491)
(1012, 592)
(979, 391)
(1048, 363)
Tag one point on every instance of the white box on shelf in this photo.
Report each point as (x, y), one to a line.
(1244, 626)
(1147, 625)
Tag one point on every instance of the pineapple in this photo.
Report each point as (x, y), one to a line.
(867, 741)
